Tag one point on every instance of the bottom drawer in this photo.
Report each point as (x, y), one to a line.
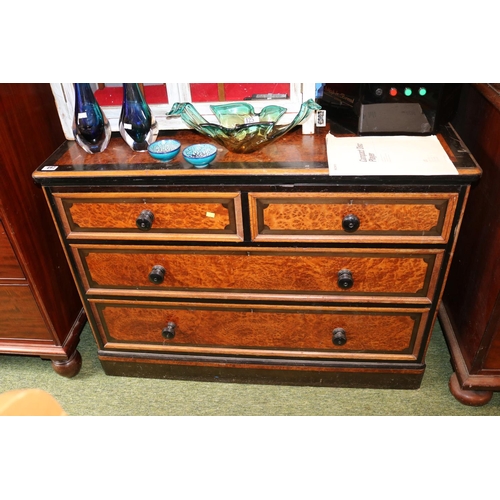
(260, 330)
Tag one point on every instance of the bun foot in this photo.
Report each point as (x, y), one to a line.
(69, 368)
(468, 397)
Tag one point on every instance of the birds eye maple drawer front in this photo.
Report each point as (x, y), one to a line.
(150, 216)
(282, 331)
(280, 304)
(260, 268)
(401, 218)
(340, 274)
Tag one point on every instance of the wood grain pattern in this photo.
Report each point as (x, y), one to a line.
(269, 303)
(203, 327)
(183, 213)
(470, 312)
(253, 270)
(167, 216)
(294, 146)
(293, 154)
(9, 268)
(393, 216)
(30, 132)
(20, 317)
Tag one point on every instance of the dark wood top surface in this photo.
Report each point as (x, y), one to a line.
(491, 91)
(294, 154)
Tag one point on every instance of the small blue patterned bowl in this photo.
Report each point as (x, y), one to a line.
(165, 149)
(200, 155)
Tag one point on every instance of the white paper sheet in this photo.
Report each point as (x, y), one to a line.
(387, 155)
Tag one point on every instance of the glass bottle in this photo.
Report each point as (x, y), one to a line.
(137, 124)
(90, 125)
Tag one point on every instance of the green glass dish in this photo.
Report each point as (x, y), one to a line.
(241, 129)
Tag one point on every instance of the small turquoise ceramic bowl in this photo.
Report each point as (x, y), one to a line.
(200, 155)
(165, 149)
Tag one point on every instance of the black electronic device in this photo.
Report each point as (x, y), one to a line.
(403, 108)
(390, 108)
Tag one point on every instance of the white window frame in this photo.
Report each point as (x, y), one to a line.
(64, 95)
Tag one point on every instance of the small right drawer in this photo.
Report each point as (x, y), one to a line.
(424, 218)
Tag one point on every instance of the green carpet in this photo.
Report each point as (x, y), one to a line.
(92, 393)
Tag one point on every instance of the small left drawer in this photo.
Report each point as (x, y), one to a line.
(151, 216)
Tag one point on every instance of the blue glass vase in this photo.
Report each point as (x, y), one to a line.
(90, 125)
(137, 124)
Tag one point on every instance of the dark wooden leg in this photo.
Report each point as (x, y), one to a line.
(70, 367)
(468, 397)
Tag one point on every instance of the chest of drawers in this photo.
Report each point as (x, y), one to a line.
(259, 268)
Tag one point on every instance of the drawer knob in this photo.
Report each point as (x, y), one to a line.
(169, 331)
(345, 279)
(157, 274)
(339, 336)
(145, 220)
(350, 223)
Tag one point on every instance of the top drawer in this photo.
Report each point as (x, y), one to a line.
(151, 216)
(359, 217)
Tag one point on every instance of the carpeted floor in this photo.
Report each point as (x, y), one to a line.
(92, 393)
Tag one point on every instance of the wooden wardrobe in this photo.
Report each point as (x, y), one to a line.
(41, 312)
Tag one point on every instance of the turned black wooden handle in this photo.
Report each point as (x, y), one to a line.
(145, 220)
(350, 223)
(169, 331)
(157, 275)
(345, 279)
(339, 336)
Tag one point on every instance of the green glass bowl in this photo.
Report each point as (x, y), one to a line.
(241, 130)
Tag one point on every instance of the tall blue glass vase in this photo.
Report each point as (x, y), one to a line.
(137, 124)
(90, 125)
